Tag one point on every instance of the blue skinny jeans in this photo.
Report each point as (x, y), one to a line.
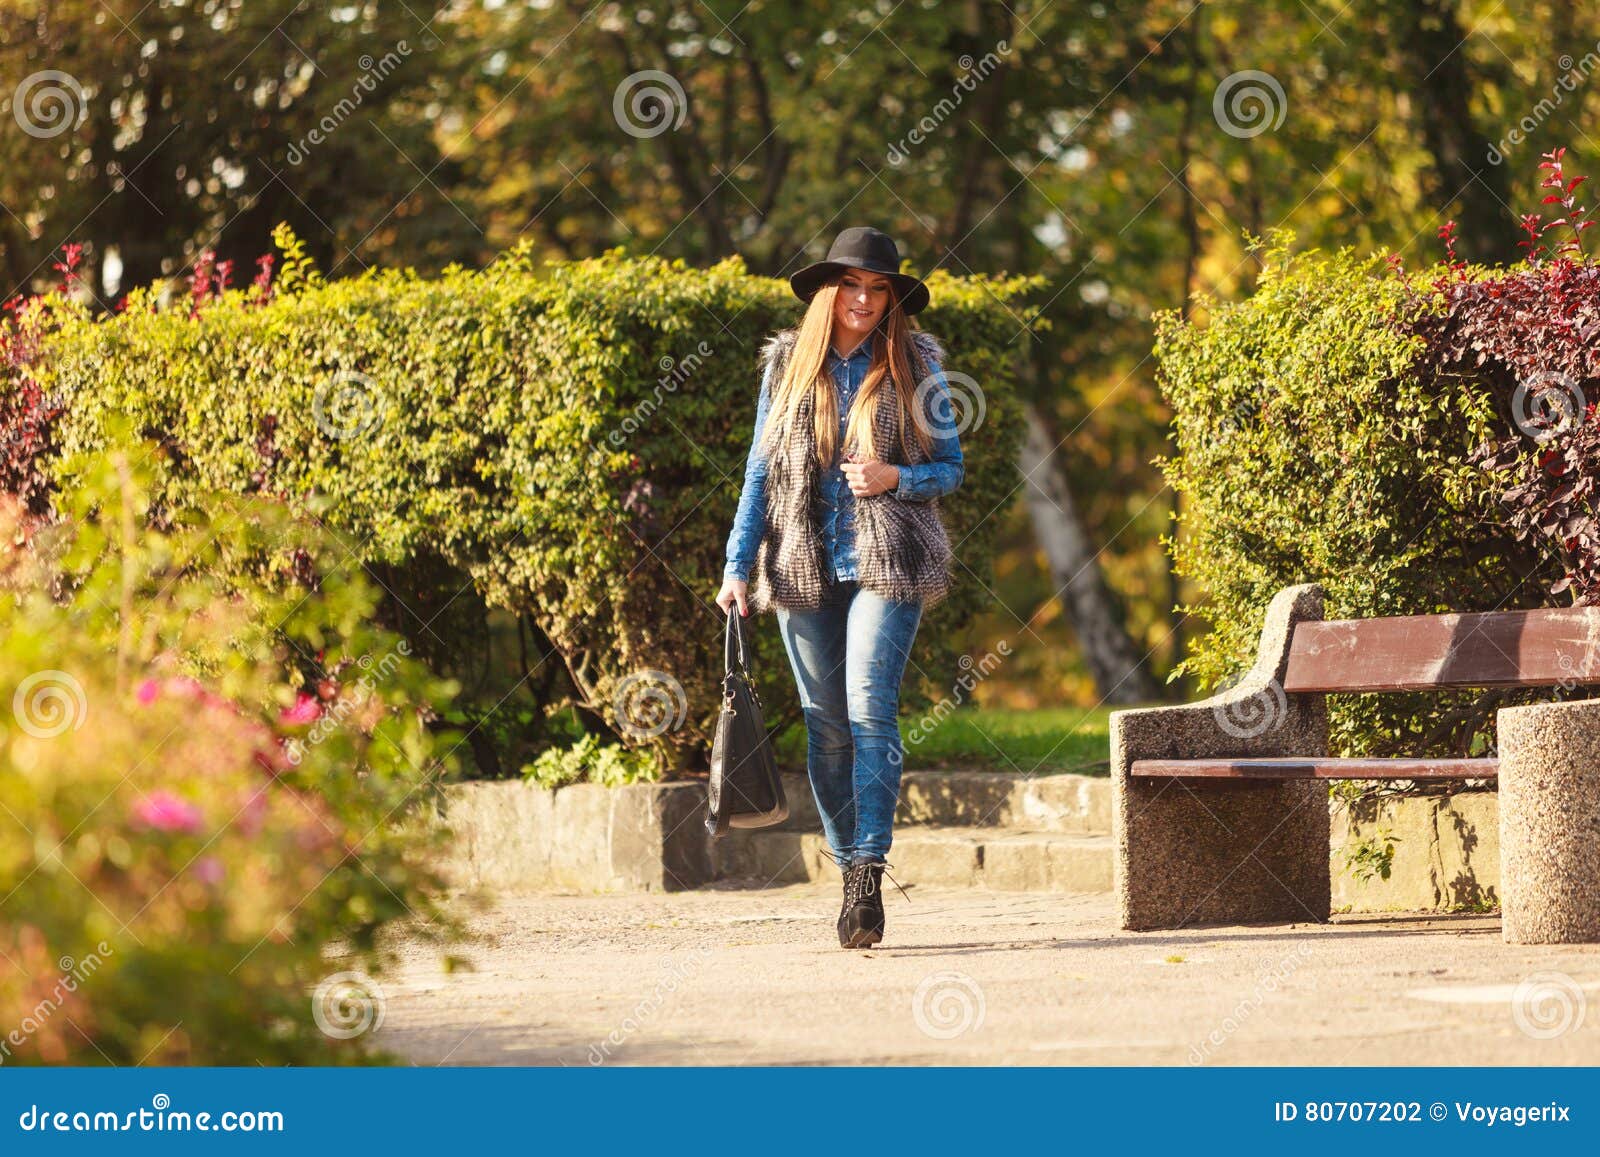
(848, 656)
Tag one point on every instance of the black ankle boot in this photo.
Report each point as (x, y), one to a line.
(861, 918)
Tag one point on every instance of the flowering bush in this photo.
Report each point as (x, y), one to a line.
(183, 840)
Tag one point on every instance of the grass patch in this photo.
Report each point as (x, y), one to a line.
(1044, 741)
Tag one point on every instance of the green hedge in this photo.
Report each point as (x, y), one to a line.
(567, 440)
(1316, 443)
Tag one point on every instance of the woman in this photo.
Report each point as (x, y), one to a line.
(838, 532)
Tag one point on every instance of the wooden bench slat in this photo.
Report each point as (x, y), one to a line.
(1541, 648)
(1316, 767)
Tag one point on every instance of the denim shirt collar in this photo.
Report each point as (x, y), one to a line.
(862, 352)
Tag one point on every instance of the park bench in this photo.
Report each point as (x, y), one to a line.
(1221, 806)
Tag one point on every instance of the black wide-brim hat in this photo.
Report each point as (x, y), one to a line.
(862, 247)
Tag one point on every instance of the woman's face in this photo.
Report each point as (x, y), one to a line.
(863, 297)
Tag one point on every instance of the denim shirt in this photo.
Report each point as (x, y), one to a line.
(917, 483)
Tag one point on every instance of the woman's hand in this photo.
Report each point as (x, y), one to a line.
(733, 591)
(869, 478)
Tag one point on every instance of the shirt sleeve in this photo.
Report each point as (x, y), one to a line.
(941, 475)
(750, 520)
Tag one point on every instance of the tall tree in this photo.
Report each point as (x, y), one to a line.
(159, 129)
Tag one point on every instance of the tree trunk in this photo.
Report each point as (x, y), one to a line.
(1120, 676)
(1430, 39)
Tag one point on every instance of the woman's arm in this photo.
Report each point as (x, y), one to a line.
(944, 473)
(749, 522)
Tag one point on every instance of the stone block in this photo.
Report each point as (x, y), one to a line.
(936, 858)
(1446, 853)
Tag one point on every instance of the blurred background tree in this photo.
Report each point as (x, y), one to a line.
(1126, 149)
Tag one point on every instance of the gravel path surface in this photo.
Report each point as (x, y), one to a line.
(742, 977)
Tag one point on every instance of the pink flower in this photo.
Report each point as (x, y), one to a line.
(188, 688)
(179, 686)
(208, 870)
(306, 709)
(253, 815)
(275, 758)
(166, 812)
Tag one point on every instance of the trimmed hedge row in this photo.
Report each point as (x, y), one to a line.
(1321, 437)
(567, 440)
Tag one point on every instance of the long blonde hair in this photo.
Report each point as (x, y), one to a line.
(891, 368)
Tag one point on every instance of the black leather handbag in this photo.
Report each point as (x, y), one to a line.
(746, 790)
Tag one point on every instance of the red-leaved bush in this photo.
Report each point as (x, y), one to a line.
(27, 412)
(1528, 336)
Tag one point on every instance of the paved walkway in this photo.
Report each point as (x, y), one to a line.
(970, 977)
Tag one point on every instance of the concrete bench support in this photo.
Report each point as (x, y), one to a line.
(1550, 823)
(1193, 852)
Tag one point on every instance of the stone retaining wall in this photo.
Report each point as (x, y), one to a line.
(1446, 853)
(510, 836)
(515, 837)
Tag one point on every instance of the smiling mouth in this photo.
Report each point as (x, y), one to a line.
(861, 313)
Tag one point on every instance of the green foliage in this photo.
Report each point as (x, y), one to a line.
(217, 777)
(1312, 446)
(1037, 741)
(589, 760)
(298, 271)
(1372, 857)
(1042, 741)
(569, 441)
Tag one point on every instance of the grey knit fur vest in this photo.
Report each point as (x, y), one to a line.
(902, 550)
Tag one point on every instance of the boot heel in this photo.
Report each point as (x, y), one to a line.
(861, 919)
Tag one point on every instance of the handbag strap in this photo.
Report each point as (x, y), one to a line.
(733, 642)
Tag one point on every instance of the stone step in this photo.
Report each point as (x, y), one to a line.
(996, 799)
(1003, 859)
